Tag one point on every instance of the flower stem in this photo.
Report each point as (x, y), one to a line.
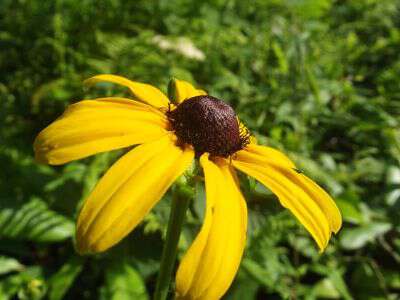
(180, 203)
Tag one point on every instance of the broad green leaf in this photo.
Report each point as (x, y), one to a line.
(355, 238)
(256, 271)
(349, 210)
(34, 221)
(61, 281)
(123, 282)
(9, 264)
(367, 281)
(325, 289)
(339, 283)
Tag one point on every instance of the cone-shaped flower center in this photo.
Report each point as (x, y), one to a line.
(209, 125)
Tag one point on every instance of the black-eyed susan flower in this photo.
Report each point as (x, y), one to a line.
(170, 137)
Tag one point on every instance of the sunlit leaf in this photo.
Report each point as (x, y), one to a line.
(8, 264)
(355, 238)
(123, 282)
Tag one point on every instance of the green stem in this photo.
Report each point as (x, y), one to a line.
(180, 203)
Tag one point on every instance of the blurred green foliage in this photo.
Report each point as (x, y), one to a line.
(318, 79)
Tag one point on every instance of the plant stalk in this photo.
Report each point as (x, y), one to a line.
(179, 205)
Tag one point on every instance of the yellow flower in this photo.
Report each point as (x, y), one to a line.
(170, 137)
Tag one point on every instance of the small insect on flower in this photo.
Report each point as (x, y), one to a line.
(170, 136)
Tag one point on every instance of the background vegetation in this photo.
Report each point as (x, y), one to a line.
(318, 79)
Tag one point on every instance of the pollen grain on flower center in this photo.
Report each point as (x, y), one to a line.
(209, 125)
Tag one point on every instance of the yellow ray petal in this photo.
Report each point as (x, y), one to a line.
(184, 90)
(127, 192)
(209, 266)
(256, 152)
(304, 198)
(93, 126)
(324, 201)
(142, 91)
(263, 154)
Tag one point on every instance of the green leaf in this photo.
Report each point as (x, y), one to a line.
(349, 210)
(355, 238)
(309, 8)
(172, 96)
(28, 284)
(243, 288)
(256, 271)
(366, 282)
(123, 282)
(325, 289)
(9, 264)
(34, 221)
(392, 278)
(337, 280)
(393, 180)
(61, 281)
(280, 55)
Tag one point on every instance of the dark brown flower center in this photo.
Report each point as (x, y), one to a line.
(209, 125)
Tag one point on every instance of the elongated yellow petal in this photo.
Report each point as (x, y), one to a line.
(184, 90)
(142, 91)
(209, 266)
(274, 157)
(259, 153)
(127, 192)
(313, 207)
(93, 126)
(324, 201)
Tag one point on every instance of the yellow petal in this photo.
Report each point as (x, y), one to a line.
(259, 153)
(209, 266)
(93, 126)
(324, 201)
(184, 90)
(263, 154)
(312, 206)
(127, 192)
(142, 91)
